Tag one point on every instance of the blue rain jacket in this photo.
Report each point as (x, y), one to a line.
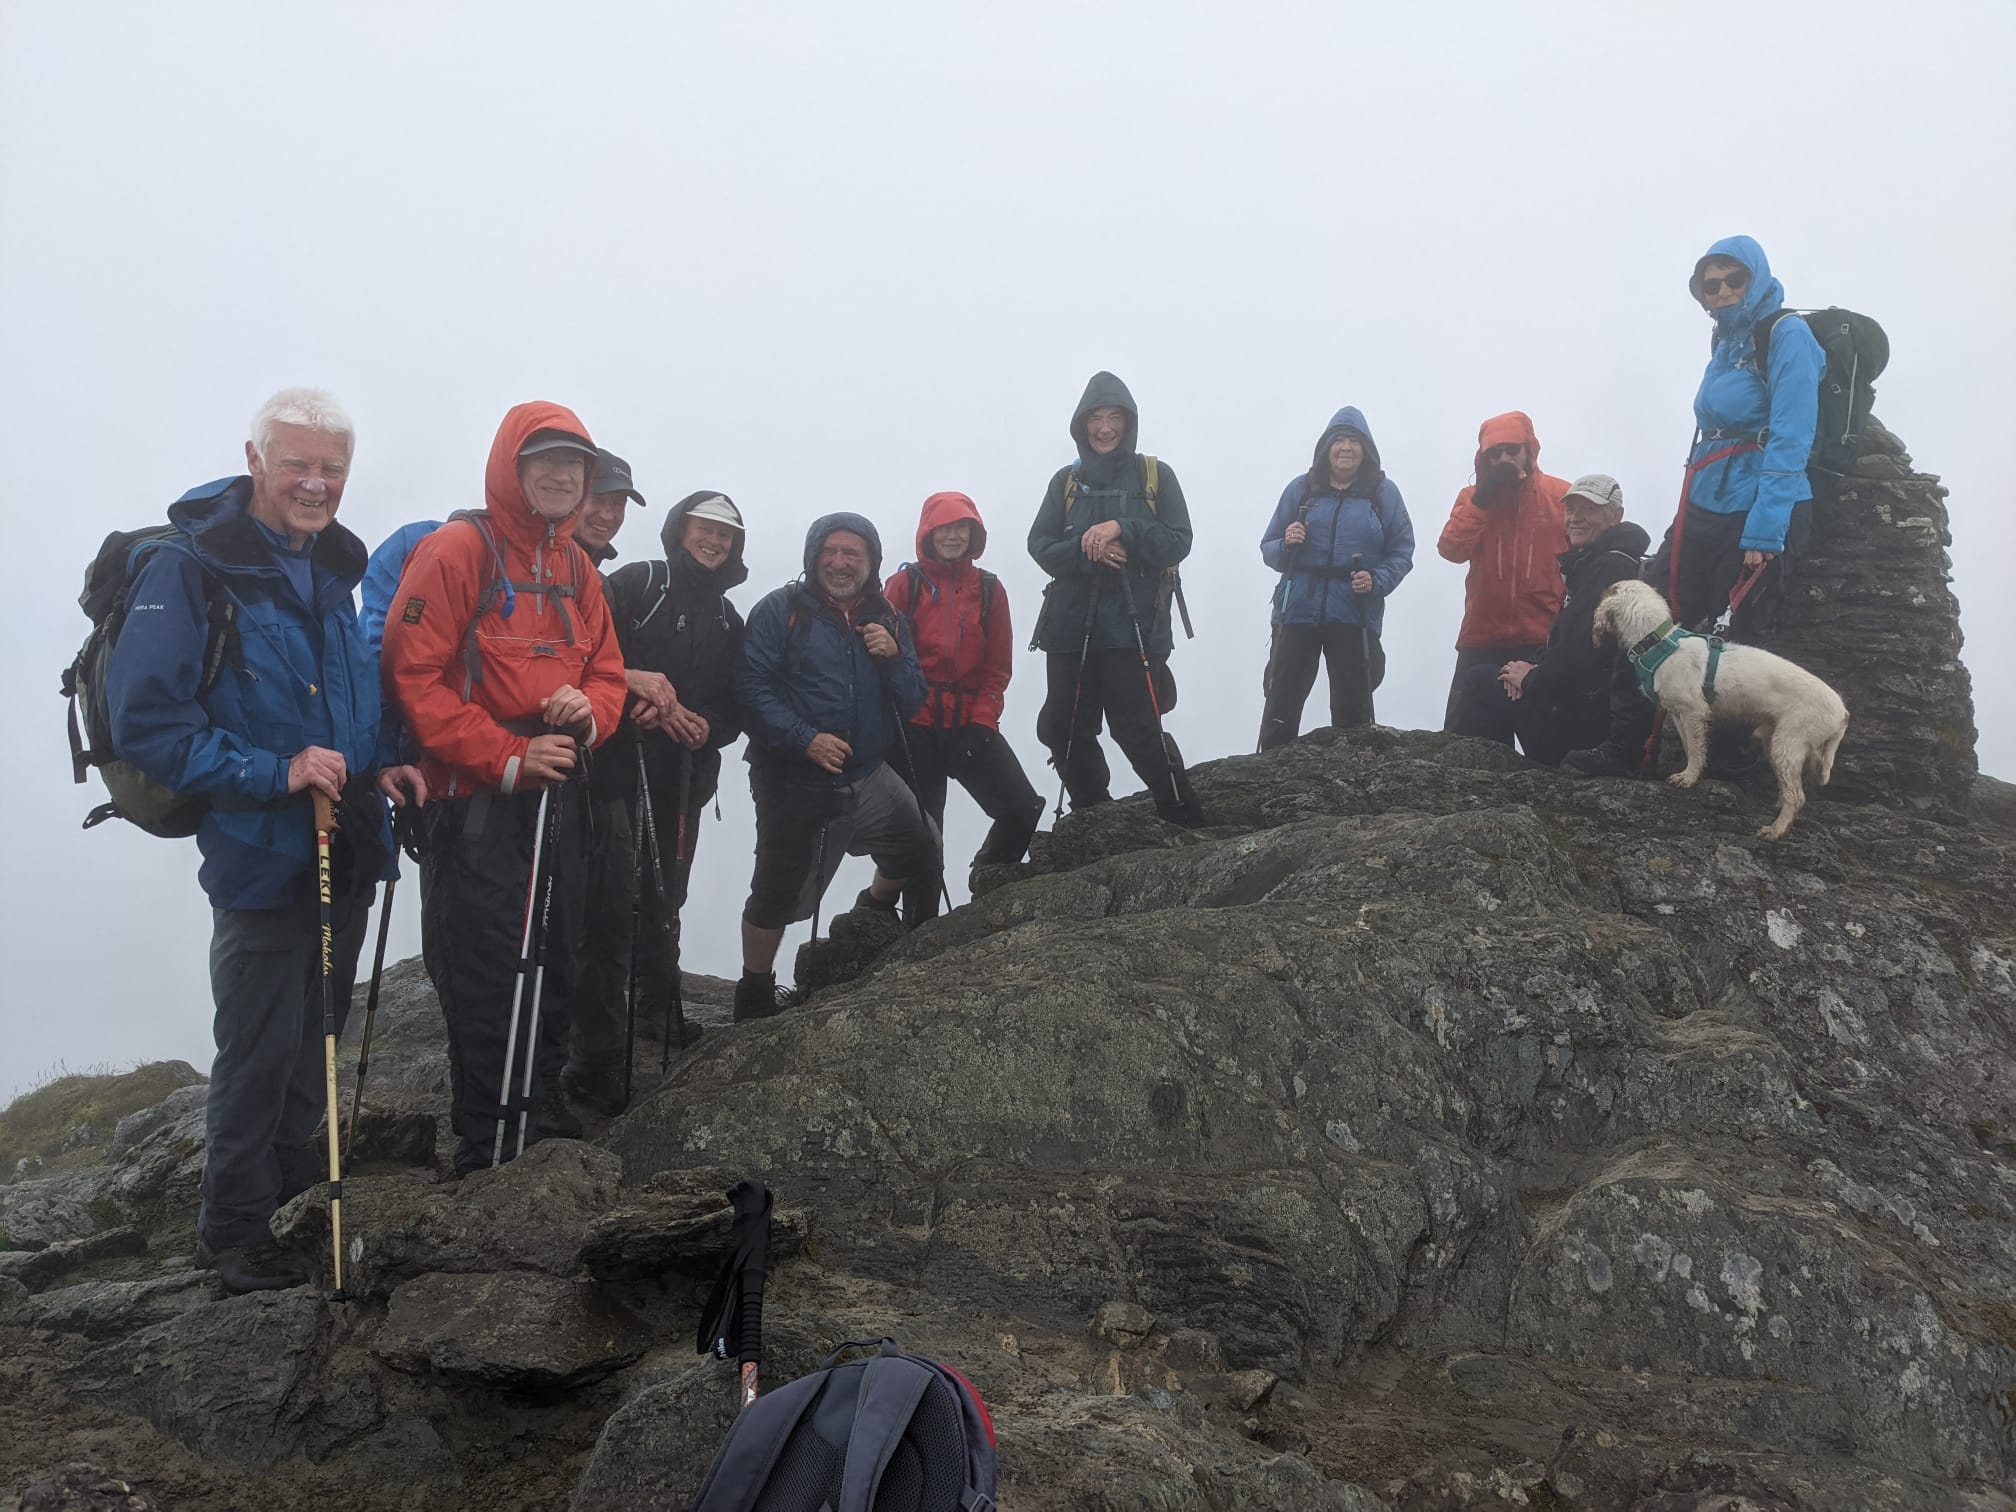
(1737, 403)
(804, 670)
(294, 675)
(1370, 520)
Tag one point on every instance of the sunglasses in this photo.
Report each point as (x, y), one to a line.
(1734, 282)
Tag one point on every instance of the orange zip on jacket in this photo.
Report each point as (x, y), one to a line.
(458, 712)
(1514, 588)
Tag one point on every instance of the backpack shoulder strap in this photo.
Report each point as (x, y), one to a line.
(1151, 479)
(750, 1452)
(1070, 490)
(890, 1392)
(1761, 336)
(651, 578)
(989, 586)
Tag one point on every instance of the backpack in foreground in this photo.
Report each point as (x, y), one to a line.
(1857, 352)
(133, 795)
(889, 1433)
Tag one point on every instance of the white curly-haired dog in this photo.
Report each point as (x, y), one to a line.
(1798, 719)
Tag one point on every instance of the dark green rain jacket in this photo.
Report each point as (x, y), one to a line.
(1112, 487)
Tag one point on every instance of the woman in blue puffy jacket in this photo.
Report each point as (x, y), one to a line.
(1341, 540)
(1746, 504)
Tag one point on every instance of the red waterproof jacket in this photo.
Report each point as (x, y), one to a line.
(1514, 588)
(966, 670)
(457, 700)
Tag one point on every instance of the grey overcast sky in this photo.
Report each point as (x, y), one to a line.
(824, 256)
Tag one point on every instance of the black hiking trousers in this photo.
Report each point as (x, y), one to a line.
(267, 1086)
(602, 996)
(1115, 693)
(473, 876)
(1291, 673)
(1546, 729)
(984, 764)
(1454, 717)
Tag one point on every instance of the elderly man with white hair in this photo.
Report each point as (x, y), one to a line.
(259, 571)
(1561, 702)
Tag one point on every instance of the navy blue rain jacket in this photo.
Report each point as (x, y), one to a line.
(1370, 520)
(294, 675)
(1737, 403)
(804, 670)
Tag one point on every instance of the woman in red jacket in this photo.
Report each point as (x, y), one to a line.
(959, 615)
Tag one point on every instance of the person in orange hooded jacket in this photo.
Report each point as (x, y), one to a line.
(501, 657)
(965, 644)
(1510, 528)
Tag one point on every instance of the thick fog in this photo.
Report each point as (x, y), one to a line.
(825, 256)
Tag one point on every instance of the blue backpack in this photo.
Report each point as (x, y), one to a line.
(889, 1433)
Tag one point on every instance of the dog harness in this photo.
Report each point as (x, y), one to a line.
(1651, 653)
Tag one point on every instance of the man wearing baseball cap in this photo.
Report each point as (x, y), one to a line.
(500, 655)
(1561, 702)
(681, 639)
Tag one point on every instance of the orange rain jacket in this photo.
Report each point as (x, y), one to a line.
(1514, 588)
(457, 708)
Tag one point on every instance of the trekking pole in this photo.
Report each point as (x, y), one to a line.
(524, 956)
(539, 968)
(370, 1016)
(670, 908)
(325, 823)
(1155, 703)
(1077, 693)
(675, 1008)
(636, 926)
(732, 1321)
(1292, 556)
(910, 778)
(1364, 639)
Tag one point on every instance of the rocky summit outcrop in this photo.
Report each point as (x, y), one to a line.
(1434, 1131)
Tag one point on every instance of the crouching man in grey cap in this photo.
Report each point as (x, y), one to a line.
(1561, 702)
(828, 673)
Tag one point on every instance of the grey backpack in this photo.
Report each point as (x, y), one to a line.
(889, 1433)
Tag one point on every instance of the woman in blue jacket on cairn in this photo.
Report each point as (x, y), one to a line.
(1341, 540)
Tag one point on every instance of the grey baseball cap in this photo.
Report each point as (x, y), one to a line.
(612, 475)
(1597, 488)
(554, 440)
(716, 507)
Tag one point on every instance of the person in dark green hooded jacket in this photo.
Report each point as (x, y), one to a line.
(1108, 547)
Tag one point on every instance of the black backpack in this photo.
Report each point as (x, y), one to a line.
(889, 1433)
(134, 796)
(1857, 352)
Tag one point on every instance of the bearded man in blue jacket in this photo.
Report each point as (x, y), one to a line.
(828, 670)
(293, 711)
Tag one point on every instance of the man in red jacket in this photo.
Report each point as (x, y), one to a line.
(1509, 527)
(959, 616)
(501, 657)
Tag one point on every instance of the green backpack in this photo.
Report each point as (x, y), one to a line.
(1857, 352)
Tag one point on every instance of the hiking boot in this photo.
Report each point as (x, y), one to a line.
(551, 1118)
(1598, 761)
(758, 997)
(867, 899)
(599, 1092)
(1189, 816)
(256, 1267)
(686, 1033)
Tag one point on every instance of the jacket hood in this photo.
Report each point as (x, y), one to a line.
(825, 525)
(945, 509)
(1761, 296)
(1105, 389)
(1500, 430)
(218, 521)
(671, 535)
(1348, 419)
(503, 494)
